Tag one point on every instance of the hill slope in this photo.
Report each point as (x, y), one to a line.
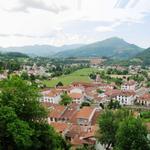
(40, 50)
(144, 57)
(112, 47)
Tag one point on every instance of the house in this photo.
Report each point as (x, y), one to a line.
(80, 135)
(77, 97)
(126, 97)
(112, 94)
(60, 127)
(82, 84)
(70, 112)
(129, 85)
(85, 115)
(76, 90)
(51, 96)
(105, 86)
(55, 112)
(144, 99)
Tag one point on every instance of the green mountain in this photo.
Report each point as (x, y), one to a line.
(115, 48)
(143, 57)
(40, 50)
(13, 55)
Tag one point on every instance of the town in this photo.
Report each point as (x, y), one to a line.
(75, 106)
(74, 74)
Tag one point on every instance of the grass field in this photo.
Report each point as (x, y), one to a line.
(79, 75)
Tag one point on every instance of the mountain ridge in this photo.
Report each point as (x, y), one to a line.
(113, 47)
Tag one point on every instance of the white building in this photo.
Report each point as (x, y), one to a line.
(77, 97)
(130, 85)
(126, 97)
(51, 96)
(144, 100)
(79, 90)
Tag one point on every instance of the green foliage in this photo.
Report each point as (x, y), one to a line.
(66, 99)
(148, 84)
(137, 78)
(114, 104)
(85, 104)
(145, 114)
(14, 132)
(79, 75)
(93, 76)
(109, 79)
(108, 124)
(120, 130)
(131, 135)
(24, 75)
(118, 72)
(23, 122)
(59, 84)
(100, 91)
(144, 57)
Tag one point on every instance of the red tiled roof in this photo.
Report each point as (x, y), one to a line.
(53, 92)
(56, 110)
(75, 95)
(145, 97)
(59, 126)
(130, 82)
(113, 93)
(70, 111)
(85, 112)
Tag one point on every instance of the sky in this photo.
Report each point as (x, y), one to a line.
(63, 22)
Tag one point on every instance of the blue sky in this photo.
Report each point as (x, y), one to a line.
(59, 22)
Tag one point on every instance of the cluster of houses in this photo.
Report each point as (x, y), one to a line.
(35, 70)
(78, 123)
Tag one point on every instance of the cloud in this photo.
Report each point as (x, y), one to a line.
(134, 3)
(5, 35)
(67, 20)
(108, 28)
(121, 3)
(104, 29)
(26, 5)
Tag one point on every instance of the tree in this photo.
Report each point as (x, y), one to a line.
(23, 122)
(114, 104)
(132, 135)
(85, 104)
(108, 124)
(24, 75)
(66, 99)
(59, 84)
(100, 91)
(14, 132)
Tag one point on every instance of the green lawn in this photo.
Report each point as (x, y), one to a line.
(79, 75)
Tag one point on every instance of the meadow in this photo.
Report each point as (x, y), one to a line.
(79, 75)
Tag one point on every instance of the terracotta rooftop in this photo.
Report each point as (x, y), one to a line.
(129, 83)
(56, 110)
(84, 84)
(85, 112)
(53, 92)
(145, 97)
(59, 126)
(113, 93)
(70, 111)
(75, 95)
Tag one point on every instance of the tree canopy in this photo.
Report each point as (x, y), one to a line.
(120, 130)
(23, 120)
